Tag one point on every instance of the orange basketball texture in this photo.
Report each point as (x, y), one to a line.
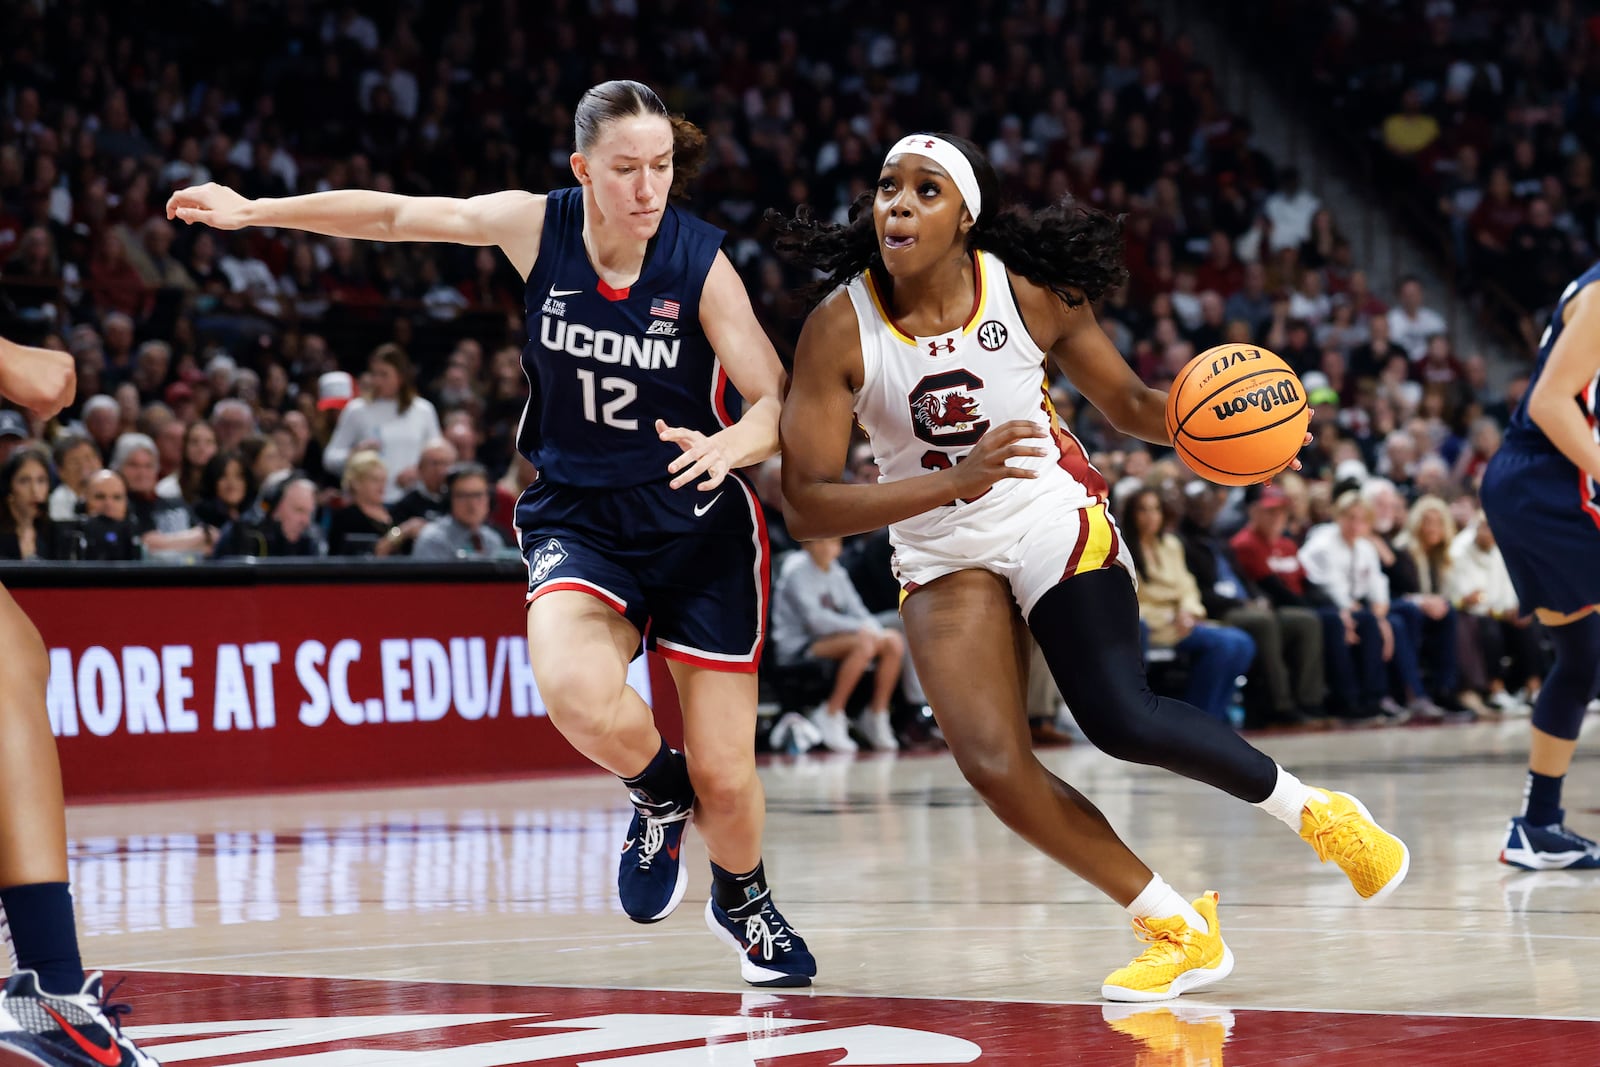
(1237, 414)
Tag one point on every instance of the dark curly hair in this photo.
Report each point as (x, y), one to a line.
(1073, 251)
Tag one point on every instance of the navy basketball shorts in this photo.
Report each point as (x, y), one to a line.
(1546, 519)
(690, 570)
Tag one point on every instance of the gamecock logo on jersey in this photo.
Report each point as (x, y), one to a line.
(944, 409)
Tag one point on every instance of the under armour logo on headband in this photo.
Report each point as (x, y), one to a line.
(952, 159)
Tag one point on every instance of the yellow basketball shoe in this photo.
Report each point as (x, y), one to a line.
(1173, 1035)
(1341, 828)
(1180, 958)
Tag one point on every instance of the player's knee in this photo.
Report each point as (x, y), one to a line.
(890, 644)
(1118, 722)
(579, 700)
(724, 786)
(991, 767)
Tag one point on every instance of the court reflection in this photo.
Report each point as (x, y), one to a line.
(515, 862)
(1172, 1033)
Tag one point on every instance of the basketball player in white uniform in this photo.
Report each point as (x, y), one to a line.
(942, 307)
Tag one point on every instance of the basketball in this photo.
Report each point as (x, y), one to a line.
(1237, 414)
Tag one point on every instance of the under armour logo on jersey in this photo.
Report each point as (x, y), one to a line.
(949, 346)
(992, 335)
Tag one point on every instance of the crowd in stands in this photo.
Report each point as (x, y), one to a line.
(274, 393)
(1484, 112)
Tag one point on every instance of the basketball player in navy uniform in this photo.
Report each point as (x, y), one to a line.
(51, 1013)
(640, 339)
(1542, 498)
(944, 309)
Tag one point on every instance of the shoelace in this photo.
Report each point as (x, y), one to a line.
(1330, 835)
(758, 932)
(1166, 947)
(655, 835)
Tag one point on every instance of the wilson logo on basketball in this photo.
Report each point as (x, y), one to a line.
(992, 335)
(1265, 398)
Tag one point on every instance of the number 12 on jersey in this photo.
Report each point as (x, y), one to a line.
(620, 392)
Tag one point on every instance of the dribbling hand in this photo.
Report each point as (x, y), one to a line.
(214, 205)
(987, 463)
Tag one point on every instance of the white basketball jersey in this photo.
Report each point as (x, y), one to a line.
(925, 402)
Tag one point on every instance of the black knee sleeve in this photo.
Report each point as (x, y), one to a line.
(1088, 629)
(1573, 680)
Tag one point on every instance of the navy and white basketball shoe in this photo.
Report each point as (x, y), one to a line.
(1547, 848)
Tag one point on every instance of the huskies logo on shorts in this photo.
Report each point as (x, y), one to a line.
(992, 335)
(542, 562)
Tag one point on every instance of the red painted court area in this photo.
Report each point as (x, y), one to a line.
(212, 1020)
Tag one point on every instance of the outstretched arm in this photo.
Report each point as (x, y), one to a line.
(1571, 367)
(40, 379)
(511, 220)
(815, 430)
(1097, 369)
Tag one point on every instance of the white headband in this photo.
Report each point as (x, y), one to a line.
(948, 156)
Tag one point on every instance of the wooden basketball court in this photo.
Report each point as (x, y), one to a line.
(472, 925)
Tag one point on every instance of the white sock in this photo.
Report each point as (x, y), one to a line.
(1288, 799)
(1158, 900)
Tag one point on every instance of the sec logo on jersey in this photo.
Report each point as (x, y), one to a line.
(992, 335)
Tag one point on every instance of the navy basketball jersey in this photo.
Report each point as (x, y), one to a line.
(603, 364)
(1522, 431)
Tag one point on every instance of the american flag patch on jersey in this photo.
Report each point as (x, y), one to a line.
(663, 309)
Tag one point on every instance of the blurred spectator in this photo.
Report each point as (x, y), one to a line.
(263, 456)
(231, 420)
(1411, 323)
(364, 527)
(1512, 662)
(817, 614)
(1411, 129)
(1287, 682)
(463, 532)
(26, 530)
(1419, 577)
(393, 421)
(1340, 558)
(199, 445)
(1170, 605)
(14, 432)
(286, 531)
(225, 491)
(107, 533)
(1290, 208)
(425, 499)
(166, 526)
(76, 460)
